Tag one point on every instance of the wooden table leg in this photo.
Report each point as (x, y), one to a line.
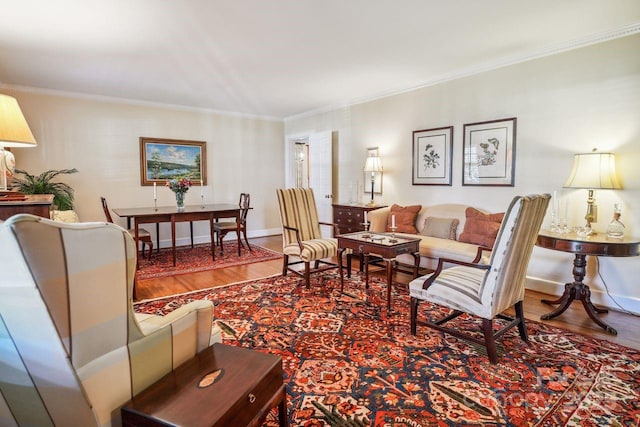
(213, 240)
(416, 263)
(578, 291)
(389, 266)
(238, 231)
(340, 251)
(173, 238)
(157, 237)
(365, 258)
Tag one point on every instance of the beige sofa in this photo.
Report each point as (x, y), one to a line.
(432, 248)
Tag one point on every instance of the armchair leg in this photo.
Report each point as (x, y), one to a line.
(487, 328)
(307, 273)
(520, 316)
(414, 315)
(285, 265)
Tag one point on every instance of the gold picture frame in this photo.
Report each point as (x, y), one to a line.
(162, 160)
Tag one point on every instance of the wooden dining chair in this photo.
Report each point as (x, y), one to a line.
(222, 228)
(144, 236)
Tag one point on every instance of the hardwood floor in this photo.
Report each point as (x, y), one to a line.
(574, 319)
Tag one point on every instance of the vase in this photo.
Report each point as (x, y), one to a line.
(180, 201)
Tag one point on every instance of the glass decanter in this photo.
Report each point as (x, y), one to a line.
(615, 229)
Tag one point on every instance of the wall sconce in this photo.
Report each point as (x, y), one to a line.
(373, 165)
(14, 132)
(593, 171)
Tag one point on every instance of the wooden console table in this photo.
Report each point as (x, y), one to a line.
(35, 204)
(595, 245)
(222, 386)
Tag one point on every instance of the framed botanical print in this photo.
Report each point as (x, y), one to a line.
(432, 156)
(489, 153)
(162, 160)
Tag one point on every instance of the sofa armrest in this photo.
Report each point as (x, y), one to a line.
(378, 219)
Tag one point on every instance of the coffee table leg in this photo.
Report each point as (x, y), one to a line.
(340, 251)
(389, 265)
(366, 271)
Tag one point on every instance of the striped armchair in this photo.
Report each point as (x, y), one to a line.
(486, 290)
(72, 350)
(301, 236)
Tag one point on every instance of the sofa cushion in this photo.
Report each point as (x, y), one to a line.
(445, 228)
(405, 217)
(481, 228)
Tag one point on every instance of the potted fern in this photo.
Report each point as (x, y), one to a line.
(42, 184)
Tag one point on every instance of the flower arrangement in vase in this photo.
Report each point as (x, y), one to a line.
(179, 186)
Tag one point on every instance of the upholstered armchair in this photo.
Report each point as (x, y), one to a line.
(72, 349)
(485, 290)
(301, 236)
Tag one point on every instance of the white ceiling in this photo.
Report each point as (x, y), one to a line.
(281, 58)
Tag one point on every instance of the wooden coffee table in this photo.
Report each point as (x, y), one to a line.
(247, 385)
(385, 245)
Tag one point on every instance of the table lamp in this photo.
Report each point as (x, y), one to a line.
(14, 132)
(593, 171)
(373, 165)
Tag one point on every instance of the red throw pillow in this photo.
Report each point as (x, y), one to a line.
(481, 228)
(405, 218)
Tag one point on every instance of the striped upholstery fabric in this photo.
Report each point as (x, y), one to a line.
(72, 349)
(298, 210)
(486, 293)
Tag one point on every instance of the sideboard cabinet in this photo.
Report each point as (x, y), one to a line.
(36, 204)
(350, 216)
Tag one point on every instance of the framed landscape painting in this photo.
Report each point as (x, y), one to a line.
(162, 160)
(432, 156)
(489, 153)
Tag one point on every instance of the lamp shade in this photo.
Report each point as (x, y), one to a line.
(373, 164)
(594, 171)
(14, 130)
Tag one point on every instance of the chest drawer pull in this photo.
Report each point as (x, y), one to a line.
(252, 397)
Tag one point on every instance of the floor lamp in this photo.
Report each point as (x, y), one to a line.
(373, 165)
(14, 132)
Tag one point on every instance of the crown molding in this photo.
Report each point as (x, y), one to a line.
(113, 99)
(489, 66)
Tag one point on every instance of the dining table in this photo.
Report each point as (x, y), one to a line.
(189, 213)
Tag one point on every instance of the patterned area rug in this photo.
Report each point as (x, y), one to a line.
(190, 260)
(349, 362)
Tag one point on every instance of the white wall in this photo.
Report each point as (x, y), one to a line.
(101, 139)
(565, 104)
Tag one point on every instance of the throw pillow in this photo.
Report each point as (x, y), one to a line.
(444, 228)
(481, 228)
(405, 218)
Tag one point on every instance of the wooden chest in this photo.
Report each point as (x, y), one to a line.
(247, 385)
(350, 217)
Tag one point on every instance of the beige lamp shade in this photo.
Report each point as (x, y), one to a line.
(594, 171)
(14, 130)
(373, 164)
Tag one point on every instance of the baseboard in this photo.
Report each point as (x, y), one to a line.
(598, 296)
(186, 240)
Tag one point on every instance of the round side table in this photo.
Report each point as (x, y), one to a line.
(596, 245)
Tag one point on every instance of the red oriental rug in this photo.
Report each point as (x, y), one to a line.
(190, 260)
(349, 362)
